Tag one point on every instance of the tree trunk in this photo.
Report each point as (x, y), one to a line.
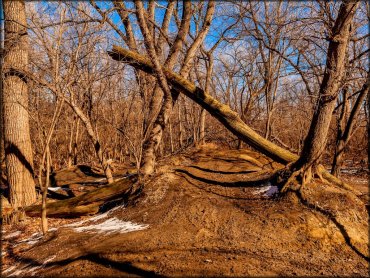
(87, 203)
(181, 130)
(70, 144)
(156, 134)
(18, 148)
(2, 147)
(44, 220)
(202, 126)
(315, 141)
(75, 144)
(339, 147)
(151, 144)
(222, 112)
(345, 129)
(94, 139)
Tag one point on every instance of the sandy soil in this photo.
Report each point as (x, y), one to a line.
(202, 214)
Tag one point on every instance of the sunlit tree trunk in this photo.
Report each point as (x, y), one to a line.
(315, 141)
(18, 148)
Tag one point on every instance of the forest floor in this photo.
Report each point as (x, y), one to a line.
(194, 218)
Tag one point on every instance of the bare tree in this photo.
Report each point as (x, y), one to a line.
(315, 141)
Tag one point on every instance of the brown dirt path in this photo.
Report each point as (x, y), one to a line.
(197, 228)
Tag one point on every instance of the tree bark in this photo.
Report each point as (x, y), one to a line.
(345, 129)
(2, 147)
(315, 141)
(222, 112)
(164, 113)
(84, 204)
(18, 148)
(152, 142)
(94, 139)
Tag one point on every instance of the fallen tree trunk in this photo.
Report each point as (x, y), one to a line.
(229, 118)
(222, 112)
(84, 204)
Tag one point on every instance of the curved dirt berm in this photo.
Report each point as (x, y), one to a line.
(188, 223)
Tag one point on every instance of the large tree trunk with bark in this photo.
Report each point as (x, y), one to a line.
(315, 142)
(18, 148)
(88, 203)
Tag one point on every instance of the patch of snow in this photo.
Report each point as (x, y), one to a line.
(93, 219)
(55, 189)
(349, 170)
(112, 225)
(14, 234)
(10, 269)
(268, 190)
(26, 269)
(31, 240)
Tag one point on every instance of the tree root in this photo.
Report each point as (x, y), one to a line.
(289, 178)
(353, 232)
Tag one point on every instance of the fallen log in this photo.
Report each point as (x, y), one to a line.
(222, 112)
(85, 204)
(229, 118)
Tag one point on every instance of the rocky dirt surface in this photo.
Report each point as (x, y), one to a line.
(202, 214)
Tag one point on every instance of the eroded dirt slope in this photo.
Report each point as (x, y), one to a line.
(202, 214)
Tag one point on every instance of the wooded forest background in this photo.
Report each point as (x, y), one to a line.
(264, 59)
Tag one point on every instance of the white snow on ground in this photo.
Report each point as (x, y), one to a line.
(10, 269)
(268, 190)
(93, 219)
(34, 238)
(109, 226)
(112, 225)
(55, 189)
(26, 270)
(14, 234)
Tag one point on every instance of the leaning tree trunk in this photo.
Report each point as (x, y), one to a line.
(221, 112)
(18, 148)
(95, 141)
(315, 141)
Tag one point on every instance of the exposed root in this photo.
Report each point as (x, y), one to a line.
(289, 178)
(340, 220)
(329, 178)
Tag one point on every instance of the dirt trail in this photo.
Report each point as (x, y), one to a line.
(196, 218)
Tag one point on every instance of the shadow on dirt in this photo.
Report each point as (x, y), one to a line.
(125, 267)
(332, 218)
(251, 183)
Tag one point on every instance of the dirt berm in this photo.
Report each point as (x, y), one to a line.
(204, 214)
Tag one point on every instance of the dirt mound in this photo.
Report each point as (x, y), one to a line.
(187, 222)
